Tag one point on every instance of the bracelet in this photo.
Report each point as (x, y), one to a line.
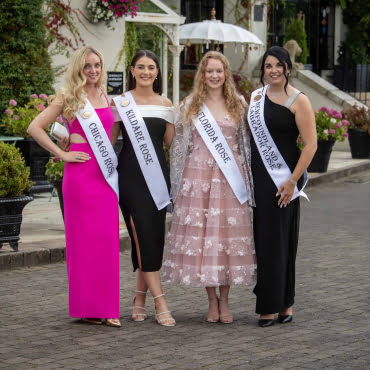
(292, 182)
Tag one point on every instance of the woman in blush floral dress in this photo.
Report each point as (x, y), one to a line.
(210, 243)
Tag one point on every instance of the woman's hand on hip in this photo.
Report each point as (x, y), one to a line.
(75, 156)
(286, 192)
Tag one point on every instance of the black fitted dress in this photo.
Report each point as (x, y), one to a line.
(275, 229)
(137, 202)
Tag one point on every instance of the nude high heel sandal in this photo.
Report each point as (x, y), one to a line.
(170, 321)
(92, 321)
(139, 316)
(225, 319)
(115, 323)
(215, 318)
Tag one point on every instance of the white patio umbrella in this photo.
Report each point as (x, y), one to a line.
(217, 32)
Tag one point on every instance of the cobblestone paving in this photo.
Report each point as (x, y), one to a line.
(331, 327)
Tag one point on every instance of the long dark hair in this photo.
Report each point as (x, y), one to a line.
(157, 84)
(283, 56)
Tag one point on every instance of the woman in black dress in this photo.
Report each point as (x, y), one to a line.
(145, 223)
(287, 113)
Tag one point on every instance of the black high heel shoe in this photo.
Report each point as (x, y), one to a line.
(264, 323)
(284, 319)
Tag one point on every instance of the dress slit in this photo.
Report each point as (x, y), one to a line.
(136, 246)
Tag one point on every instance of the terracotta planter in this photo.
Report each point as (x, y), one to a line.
(36, 158)
(320, 161)
(359, 142)
(11, 219)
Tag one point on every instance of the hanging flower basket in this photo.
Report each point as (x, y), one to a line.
(109, 10)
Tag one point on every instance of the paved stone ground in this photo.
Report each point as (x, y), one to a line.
(331, 327)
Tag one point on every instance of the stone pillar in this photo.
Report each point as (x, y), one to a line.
(165, 66)
(124, 59)
(176, 50)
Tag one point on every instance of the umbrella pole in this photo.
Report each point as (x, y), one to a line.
(213, 18)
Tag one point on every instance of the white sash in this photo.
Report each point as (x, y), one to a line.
(216, 143)
(144, 149)
(99, 143)
(270, 155)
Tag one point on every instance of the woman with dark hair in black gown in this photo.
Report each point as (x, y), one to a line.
(287, 113)
(145, 223)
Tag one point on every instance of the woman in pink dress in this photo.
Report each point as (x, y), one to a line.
(210, 243)
(90, 203)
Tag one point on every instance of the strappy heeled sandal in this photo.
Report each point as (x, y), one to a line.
(113, 322)
(139, 316)
(214, 318)
(92, 321)
(170, 321)
(225, 319)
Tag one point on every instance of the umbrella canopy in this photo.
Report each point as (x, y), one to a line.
(216, 31)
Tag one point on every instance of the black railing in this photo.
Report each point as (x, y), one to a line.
(355, 80)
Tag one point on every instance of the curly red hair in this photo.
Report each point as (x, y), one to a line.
(234, 104)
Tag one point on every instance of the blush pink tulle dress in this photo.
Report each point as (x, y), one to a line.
(210, 242)
(92, 232)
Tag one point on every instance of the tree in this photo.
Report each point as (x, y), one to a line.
(25, 65)
(355, 49)
(296, 31)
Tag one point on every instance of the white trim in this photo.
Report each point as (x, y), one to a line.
(144, 149)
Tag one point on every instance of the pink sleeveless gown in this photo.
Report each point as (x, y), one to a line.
(92, 233)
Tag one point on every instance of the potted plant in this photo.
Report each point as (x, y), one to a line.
(54, 172)
(15, 123)
(330, 127)
(14, 187)
(108, 11)
(358, 130)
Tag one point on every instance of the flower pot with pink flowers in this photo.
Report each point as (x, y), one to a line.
(358, 130)
(330, 127)
(15, 123)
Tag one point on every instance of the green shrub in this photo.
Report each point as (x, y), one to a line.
(296, 31)
(25, 65)
(54, 169)
(14, 174)
(355, 49)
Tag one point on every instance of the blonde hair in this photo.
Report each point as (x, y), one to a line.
(233, 101)
(75, 81)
